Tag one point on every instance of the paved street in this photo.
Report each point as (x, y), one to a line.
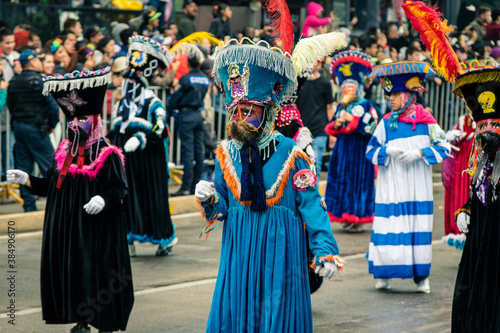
(173, 294)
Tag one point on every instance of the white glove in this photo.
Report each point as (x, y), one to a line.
(410, 156)
(204, 190)
(394, 151)
(95, 205)
(453, 135)
(161, 126)
(327, 270)
(132, 144)
(463, 221)
(17, 177)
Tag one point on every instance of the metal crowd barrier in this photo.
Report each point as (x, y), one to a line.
(446, 106)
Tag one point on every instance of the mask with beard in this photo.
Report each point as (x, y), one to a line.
(349, 93)
(241, 132)
(245, 123)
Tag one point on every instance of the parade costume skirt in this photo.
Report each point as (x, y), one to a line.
(350, 190)
(85, 266)
(476, 301)
(147, 206)
(262, 283)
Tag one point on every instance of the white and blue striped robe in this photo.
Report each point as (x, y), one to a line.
(400, 245)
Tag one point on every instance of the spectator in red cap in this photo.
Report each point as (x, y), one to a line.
(22, 37)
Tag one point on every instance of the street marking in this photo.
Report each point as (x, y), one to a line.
(23, 312)
(355, 256)
(174, 287)
(440, 184)
(137, 293)
(182, 216)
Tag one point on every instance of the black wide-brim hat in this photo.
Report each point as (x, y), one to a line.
(79, 93)
(480, 89)
(145, 56)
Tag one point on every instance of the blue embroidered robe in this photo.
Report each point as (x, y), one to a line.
(262, 283)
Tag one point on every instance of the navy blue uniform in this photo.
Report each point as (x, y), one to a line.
(188, 100)
(33, 117)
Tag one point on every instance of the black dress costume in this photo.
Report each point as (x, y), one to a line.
(85, 267)
(476, 300)
(147, 207)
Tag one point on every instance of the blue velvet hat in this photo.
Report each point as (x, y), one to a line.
(402, 76)
(353, 66)
(253, 73)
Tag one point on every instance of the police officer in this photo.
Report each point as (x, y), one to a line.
(33, 117)
(188, 99)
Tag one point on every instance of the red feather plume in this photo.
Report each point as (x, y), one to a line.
(281, 23)
(433, 31)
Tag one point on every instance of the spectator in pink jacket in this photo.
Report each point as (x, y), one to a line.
(313, 22)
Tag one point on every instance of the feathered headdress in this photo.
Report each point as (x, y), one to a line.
(281, 23)
(309, 50)
(191, 50)
(196, 37)
(433, 31)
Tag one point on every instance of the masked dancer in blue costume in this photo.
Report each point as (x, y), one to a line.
(350, 191)
(264, 191)
(140, 129)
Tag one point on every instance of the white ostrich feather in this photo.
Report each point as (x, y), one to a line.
(309, 50)
(190, 50)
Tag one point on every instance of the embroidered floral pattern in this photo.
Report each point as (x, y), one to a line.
(303, 179)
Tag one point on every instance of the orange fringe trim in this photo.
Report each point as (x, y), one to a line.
(333, 259)
(232, 183)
